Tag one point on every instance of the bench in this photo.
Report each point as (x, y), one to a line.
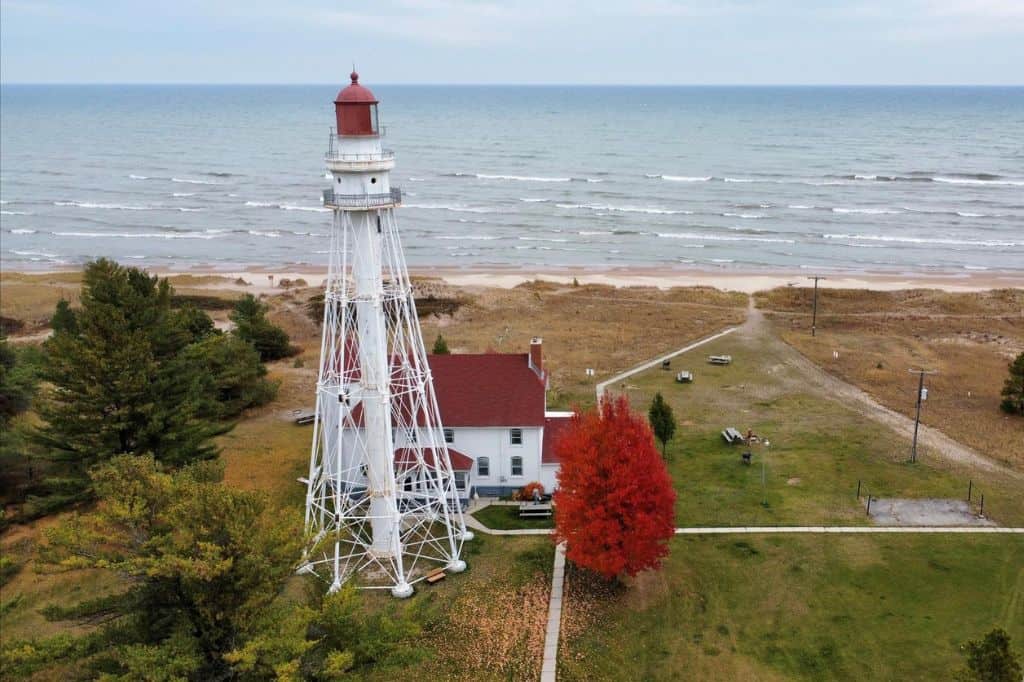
(720, 359)
(303, 417)
(732, 436)
(435, 576)
(534, 510)
(665, 364)
(684, 377)
(747, 456)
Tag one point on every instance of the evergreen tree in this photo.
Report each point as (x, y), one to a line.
(17, 381)
(236, 379)
(1013, 389)
(122, 384)
(204, 562)
(663, 422)
(18, 378)
(440, 346)
(64, 318)
(252, 325)
(991, 660)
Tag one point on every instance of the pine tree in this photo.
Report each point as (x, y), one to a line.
(252, 325)
(663, 422)
(236, 379)
(121, 384)
(1013, 389)
(615, 501)
(64, 319)
(440, 346)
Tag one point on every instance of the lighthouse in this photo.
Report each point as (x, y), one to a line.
(381, 497)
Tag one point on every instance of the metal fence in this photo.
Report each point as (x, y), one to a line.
(362, 200)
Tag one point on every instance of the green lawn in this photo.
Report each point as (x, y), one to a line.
(505, 517)
(819, 449)
(822, 607)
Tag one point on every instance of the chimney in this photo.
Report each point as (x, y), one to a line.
(537, 355)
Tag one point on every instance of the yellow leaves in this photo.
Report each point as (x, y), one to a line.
(338, 663)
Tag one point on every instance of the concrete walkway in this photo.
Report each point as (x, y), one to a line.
(549, 668)
(657, 361)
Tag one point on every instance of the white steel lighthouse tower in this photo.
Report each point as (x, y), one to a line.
(381, 498)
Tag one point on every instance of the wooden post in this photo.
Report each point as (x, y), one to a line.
(982, 512)
(970, 484)
(858, 488)
(869, 505)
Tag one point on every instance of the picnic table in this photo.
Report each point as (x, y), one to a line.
(732, 436)
(535, 509)
(720, 359)
(684, 377)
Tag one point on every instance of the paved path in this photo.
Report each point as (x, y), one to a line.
(657, 361)
(549, 668)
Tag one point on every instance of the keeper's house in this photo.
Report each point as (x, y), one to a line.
(498, 430)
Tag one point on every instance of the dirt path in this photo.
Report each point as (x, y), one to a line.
(808, 375)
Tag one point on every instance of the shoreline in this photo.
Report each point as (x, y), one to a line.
(268, 278)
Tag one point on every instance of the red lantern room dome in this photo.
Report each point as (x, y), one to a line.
(355, 109)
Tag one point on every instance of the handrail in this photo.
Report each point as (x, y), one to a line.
(334, 154)
(330, 198)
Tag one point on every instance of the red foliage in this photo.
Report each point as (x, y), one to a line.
(525, 493)
(615, 501)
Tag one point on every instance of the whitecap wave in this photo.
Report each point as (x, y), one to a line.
(626, 209)
(473, 237)
(868, 211)
(23, 231)
(530, 200)
(976, 181)
(5, 212)
(722, 238)
(137, 235)
(684, 178)
(192, 181)
(923, 240)
(521, 178)
(743, 215)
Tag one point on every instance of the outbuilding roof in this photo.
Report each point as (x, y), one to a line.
(554, 427)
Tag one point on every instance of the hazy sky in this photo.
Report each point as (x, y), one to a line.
(527, 41)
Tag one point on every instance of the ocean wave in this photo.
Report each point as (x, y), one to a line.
(457, 208)
(137, 235)
(743, 215)
(191, 181)
(923, 240)
(89, 204)
(625, 209)
(593, 233)
(799, 206)
(976, 181)
(868, 211)
(558, 240)
(43, 254)
(923, 176)
(23, 231)
(740, 180)
(218, 174)
(529, 200)
(473, 237)
(677, 178)
(183, 194)
(133, 176)
(4, 212)
(722, 238)
(286, 207)
(583, 180)
(521, 178)
(412, 179)
(274, 234)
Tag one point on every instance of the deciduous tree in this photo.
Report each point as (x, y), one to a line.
(991, 660)
(615, 501)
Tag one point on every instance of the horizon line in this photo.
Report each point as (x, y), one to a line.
(523, 84)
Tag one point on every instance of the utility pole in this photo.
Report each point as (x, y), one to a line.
(920, 399)
(814, 316)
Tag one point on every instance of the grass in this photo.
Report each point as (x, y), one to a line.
(506, 517)
(968, 338)
(819, 448)
(799, 607)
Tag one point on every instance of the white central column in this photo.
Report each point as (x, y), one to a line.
(375, 385)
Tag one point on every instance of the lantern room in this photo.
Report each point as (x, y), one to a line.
(355, 109)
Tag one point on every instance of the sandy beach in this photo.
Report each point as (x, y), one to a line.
(749, 281)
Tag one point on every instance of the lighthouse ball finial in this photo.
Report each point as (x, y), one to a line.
(354, 76)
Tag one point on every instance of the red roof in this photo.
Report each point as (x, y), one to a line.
(406, 457)
(488, 389)
(554, 427)
(355, 93)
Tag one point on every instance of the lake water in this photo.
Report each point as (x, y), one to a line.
(831, 178)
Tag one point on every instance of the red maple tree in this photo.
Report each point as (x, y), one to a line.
(615, 499)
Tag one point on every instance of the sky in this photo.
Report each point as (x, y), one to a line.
(514, 41)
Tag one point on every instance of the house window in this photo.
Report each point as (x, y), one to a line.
(460, 481)
(515, 436)
(449, 435)
(408, 484)
(483, 467)
(517, 466)
(410, 435)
